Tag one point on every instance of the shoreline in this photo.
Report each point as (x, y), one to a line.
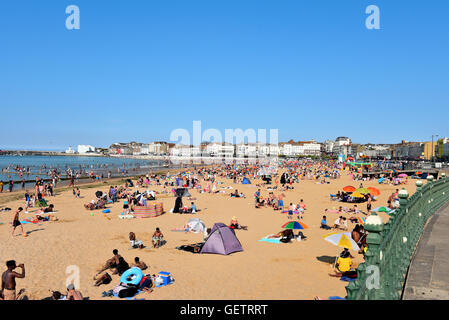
(87, 183)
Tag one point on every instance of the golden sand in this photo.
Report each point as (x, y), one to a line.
(262, 271)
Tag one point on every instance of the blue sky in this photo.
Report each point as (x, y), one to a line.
(138, 69)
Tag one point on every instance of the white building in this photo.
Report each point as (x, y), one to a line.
(219, 150)
(329, 146)
(158, 147)
(302, 148)
(70, 150)
(83, 149)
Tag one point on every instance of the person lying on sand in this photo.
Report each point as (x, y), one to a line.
(104, 279)
(194, 248)
(235, 224)
(287, 233)
(50, 208)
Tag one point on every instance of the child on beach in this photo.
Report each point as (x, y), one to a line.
(324, 224)
(27, 201)
(290, 211)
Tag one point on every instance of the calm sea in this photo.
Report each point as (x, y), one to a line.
(41, 165)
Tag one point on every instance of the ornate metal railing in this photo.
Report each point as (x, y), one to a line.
(391, 246)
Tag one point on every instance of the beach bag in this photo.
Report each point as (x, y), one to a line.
(125, 291)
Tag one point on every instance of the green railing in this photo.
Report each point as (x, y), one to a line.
(391, 246)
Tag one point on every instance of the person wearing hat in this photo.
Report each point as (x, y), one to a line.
(73, 294)
(344, 262)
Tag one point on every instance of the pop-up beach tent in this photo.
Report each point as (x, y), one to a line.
(222, 240)
(246, 181)
(196, 225)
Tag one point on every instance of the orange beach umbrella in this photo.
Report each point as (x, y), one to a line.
(349, 189)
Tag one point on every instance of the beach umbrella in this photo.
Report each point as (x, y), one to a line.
(357, 195)
(382, 209)
(294, 225)
(349, 189)
(373, 191)
(343, 240)
(419, 172)
(363, 190)
(361, 220)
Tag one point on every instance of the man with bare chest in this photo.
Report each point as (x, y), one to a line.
(9, 280)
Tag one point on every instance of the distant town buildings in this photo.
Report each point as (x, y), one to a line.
(341, 148)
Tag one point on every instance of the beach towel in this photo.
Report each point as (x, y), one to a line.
(178, 230)
(347, 279)
(336, 298)
(271, 240)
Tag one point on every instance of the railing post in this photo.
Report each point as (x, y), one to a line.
(419, 184)
(406, 232)
(373, 257)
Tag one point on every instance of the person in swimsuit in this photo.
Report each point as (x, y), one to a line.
(16, 222)
(8, 291)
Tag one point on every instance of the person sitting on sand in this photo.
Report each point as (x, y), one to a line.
(337, 223)
(157, 238)
(139, 264)
(134, 242)
(344, 224)
(235, 224)
(73, 294)
(324, 224)
(344, 265)
(112, 263)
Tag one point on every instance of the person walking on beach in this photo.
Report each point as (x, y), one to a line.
(16, 222)
(11, 185)
(1, 186)
(8, 291)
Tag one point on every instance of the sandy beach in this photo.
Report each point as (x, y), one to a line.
(298, 270)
